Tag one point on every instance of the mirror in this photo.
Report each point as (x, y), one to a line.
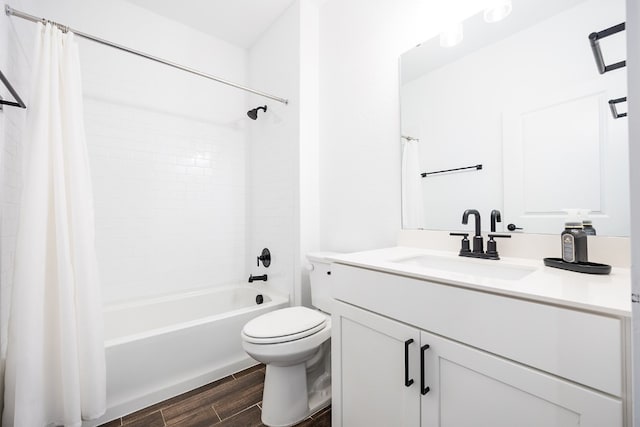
(521, 105)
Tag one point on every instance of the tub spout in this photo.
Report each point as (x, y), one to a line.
(253, 278)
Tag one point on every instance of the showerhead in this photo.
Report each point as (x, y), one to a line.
(253, 114)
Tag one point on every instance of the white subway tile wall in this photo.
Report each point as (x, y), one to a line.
(170, 200)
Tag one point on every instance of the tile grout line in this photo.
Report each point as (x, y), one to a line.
(239, 412)
(216, 412)
(164, 422)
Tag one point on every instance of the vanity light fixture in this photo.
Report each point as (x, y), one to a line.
(497, 10)
(451, 36)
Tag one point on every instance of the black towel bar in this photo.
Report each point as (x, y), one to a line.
(425, 174)
(614, 110)
(597, 53)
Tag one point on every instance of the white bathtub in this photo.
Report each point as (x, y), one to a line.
(161, 347)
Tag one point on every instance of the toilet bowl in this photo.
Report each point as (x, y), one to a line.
(294, 344)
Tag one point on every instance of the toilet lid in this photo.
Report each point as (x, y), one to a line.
(285, 325)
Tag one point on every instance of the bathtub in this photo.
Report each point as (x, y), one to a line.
(158, 348)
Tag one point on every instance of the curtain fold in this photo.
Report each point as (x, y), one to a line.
(412, 200)
(55, 367)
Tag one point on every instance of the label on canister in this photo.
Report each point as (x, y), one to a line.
(568, 248)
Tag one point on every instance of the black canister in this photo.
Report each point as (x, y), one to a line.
(574, 243)
(587, 227)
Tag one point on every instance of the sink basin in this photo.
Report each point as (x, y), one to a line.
(481, 268)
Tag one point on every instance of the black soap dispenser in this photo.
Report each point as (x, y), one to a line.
(574, 242)
(587, 227)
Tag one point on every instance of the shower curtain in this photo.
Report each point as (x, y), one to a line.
(55, 367)
(412, 203)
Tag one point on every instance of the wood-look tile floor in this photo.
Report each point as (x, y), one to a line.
(234, 401)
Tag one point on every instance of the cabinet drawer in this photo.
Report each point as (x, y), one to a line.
(582, 347)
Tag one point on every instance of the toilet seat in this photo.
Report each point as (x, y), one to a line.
(287, 324)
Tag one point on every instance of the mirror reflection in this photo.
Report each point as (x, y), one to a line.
(516, 118)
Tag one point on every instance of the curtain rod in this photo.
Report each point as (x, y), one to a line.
(13, 12)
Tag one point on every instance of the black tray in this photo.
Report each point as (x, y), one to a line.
(581, 267)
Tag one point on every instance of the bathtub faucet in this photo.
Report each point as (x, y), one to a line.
(253, 278)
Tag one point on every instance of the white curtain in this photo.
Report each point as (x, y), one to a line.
(55, 368)
(412, 203)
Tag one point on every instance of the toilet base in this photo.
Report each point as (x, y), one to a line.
(286, 400)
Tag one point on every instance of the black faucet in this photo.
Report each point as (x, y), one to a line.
(495, 217)
(478, 250)
(478, 245)
(253, 278)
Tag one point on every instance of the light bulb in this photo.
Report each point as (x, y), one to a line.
(451, 36)
(497, 10)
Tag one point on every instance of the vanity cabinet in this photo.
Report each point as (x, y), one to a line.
(471, 357)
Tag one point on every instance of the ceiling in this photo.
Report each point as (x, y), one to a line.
(240, 22)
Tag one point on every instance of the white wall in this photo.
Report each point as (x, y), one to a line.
(283, 207)
(167, 149)
(273, 153)
(360, 42)
(309, 145)
(633, 65)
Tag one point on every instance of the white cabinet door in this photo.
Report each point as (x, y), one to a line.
(370, 384)
(472, 388)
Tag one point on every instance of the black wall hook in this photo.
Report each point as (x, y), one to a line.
(18, 101)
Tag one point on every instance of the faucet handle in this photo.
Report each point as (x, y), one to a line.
(265, 257)
(502, 236)
(492, 247)
(464, 242)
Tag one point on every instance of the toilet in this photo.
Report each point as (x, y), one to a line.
(294, 343)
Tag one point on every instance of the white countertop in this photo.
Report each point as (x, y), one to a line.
(605, 294)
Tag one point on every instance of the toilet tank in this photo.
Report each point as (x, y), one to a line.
(320, 280)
